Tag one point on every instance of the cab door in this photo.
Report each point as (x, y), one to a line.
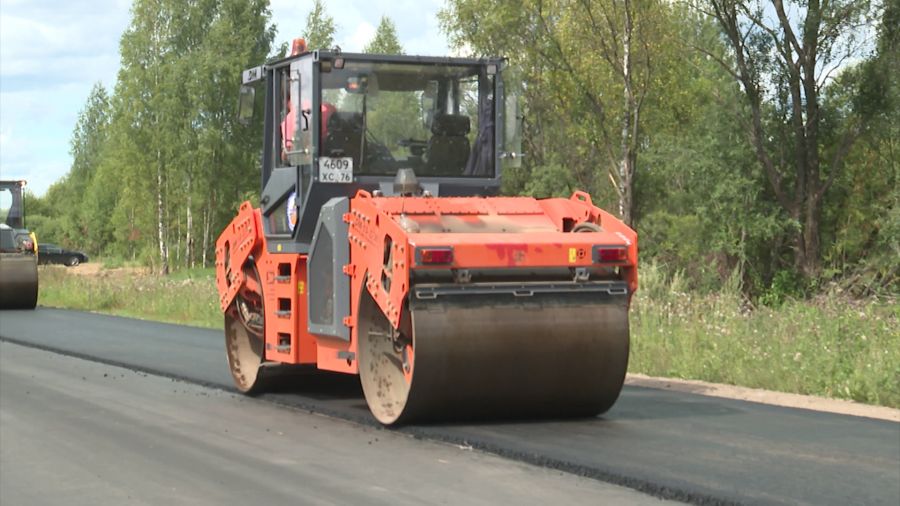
(292, 153)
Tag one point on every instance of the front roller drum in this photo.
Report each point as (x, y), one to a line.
(495, 356)
(245, 336)
(245, 350)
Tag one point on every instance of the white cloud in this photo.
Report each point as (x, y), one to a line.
(51, 54)
(361, 36)
(355, 20)
(53, 51)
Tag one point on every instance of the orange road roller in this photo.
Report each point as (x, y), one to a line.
(381, 247)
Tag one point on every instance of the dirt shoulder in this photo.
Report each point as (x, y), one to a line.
(766, 397)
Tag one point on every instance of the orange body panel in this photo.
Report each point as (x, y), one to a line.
(500, 232)
(240, 239)
(384, 232)
(283, 285)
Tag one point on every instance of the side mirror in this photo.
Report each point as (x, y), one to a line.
(246, 104)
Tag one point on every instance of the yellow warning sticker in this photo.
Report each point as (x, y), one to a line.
(573, 255)
(301, 287)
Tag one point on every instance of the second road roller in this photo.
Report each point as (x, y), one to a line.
(381, 247)
(18, 251)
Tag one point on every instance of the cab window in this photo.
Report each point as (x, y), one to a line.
(380, 117)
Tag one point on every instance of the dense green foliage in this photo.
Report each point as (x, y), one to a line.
(700, 142)
(734, 163)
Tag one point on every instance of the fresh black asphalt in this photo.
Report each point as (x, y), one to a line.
(674, 445)
(84, 433)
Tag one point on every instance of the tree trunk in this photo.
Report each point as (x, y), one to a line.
(206, 220)
(177, 257)
(626, 166)
(131, 238)
(188, 239)
(160, 217)
(811, 224)
(814, 183)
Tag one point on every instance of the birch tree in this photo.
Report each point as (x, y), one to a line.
(320, 27)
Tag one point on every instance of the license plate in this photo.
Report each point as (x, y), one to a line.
(335, 170)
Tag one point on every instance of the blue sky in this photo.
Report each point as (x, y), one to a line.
(53, 51)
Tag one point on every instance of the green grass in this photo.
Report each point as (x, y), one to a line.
(830, 346)
(116, 262)
(188, 297)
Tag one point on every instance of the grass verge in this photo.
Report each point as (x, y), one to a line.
(831, 346)
(188, 297)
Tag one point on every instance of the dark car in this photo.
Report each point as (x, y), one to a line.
(53, 254)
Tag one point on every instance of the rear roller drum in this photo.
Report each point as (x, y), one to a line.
(494, 356)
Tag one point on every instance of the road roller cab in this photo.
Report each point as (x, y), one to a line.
(380, 247)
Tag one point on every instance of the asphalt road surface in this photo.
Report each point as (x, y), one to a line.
(77, 432)
(669, 444)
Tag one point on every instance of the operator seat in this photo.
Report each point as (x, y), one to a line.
(344, 136)
(448, 148)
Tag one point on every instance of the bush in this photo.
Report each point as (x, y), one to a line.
(786, 284)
